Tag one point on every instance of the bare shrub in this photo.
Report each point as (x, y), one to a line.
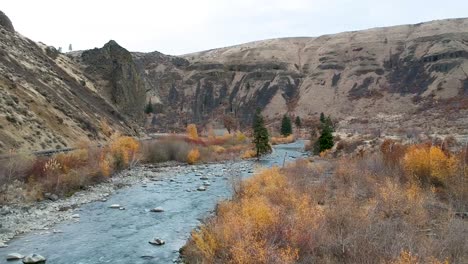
(170, 149)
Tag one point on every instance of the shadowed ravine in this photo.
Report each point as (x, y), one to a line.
(105, 235)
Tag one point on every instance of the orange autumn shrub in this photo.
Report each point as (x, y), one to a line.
(105, 164)
(123, 150)
(248, 154)
(245, 227)
(192, 131)
(193, 156)
(429, 164)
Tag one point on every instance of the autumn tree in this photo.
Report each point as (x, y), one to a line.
(260, 140)
(286, 126)
(192, 131)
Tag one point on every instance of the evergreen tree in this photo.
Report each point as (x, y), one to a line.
(298, 122)
(325, 141)
(286, 126)
(149, 107)
(260, 134)
(322, 118)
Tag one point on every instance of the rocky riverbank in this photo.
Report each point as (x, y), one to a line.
(41, 216)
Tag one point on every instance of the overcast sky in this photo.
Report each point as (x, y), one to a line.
(184, 26)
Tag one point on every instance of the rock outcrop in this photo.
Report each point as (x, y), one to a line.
(113, 66)
(5, 22)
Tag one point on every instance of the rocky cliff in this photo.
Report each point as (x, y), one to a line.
(390, 76)
(46, 99)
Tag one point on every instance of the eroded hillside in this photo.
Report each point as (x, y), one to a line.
(46, 100)
(412, 75)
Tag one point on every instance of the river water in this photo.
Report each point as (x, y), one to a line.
(105, 235)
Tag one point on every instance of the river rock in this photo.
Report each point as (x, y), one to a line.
(51, 196)
(14, 256)
(115, 206)
(64, 208)
(206, 183)
(75, 216)
(34, 258)
(157, 242)
(204, 178)
(3, 245)
(158, 209)
(201, 188)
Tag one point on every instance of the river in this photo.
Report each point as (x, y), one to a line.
(105, 235)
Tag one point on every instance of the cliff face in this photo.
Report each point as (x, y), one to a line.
(397, 73)
(46, 100)
(113, 68)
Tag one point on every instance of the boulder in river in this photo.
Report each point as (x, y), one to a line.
(206, 183)
(75, 216)
(201, 188)
(3, 245)
(34, 258)
(115, 206)
(204, 178)
(157, 242)
(158, 209)
(14, 256)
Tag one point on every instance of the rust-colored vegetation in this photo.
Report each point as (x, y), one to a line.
(396, 206)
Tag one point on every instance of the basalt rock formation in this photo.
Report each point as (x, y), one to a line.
(391, 76)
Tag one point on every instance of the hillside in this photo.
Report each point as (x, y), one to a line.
(396, 79)
(398, 75)
(46, 100)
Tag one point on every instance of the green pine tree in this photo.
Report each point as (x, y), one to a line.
(322, 118)
(286, 126)
(149, 107)
(298, 122)
(260, 140)
(325, 141)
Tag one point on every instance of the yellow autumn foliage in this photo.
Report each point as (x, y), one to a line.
(123, 150)
(192, 131)
(243, 226)
(193, 156)
(248, 154)
(429, 164)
